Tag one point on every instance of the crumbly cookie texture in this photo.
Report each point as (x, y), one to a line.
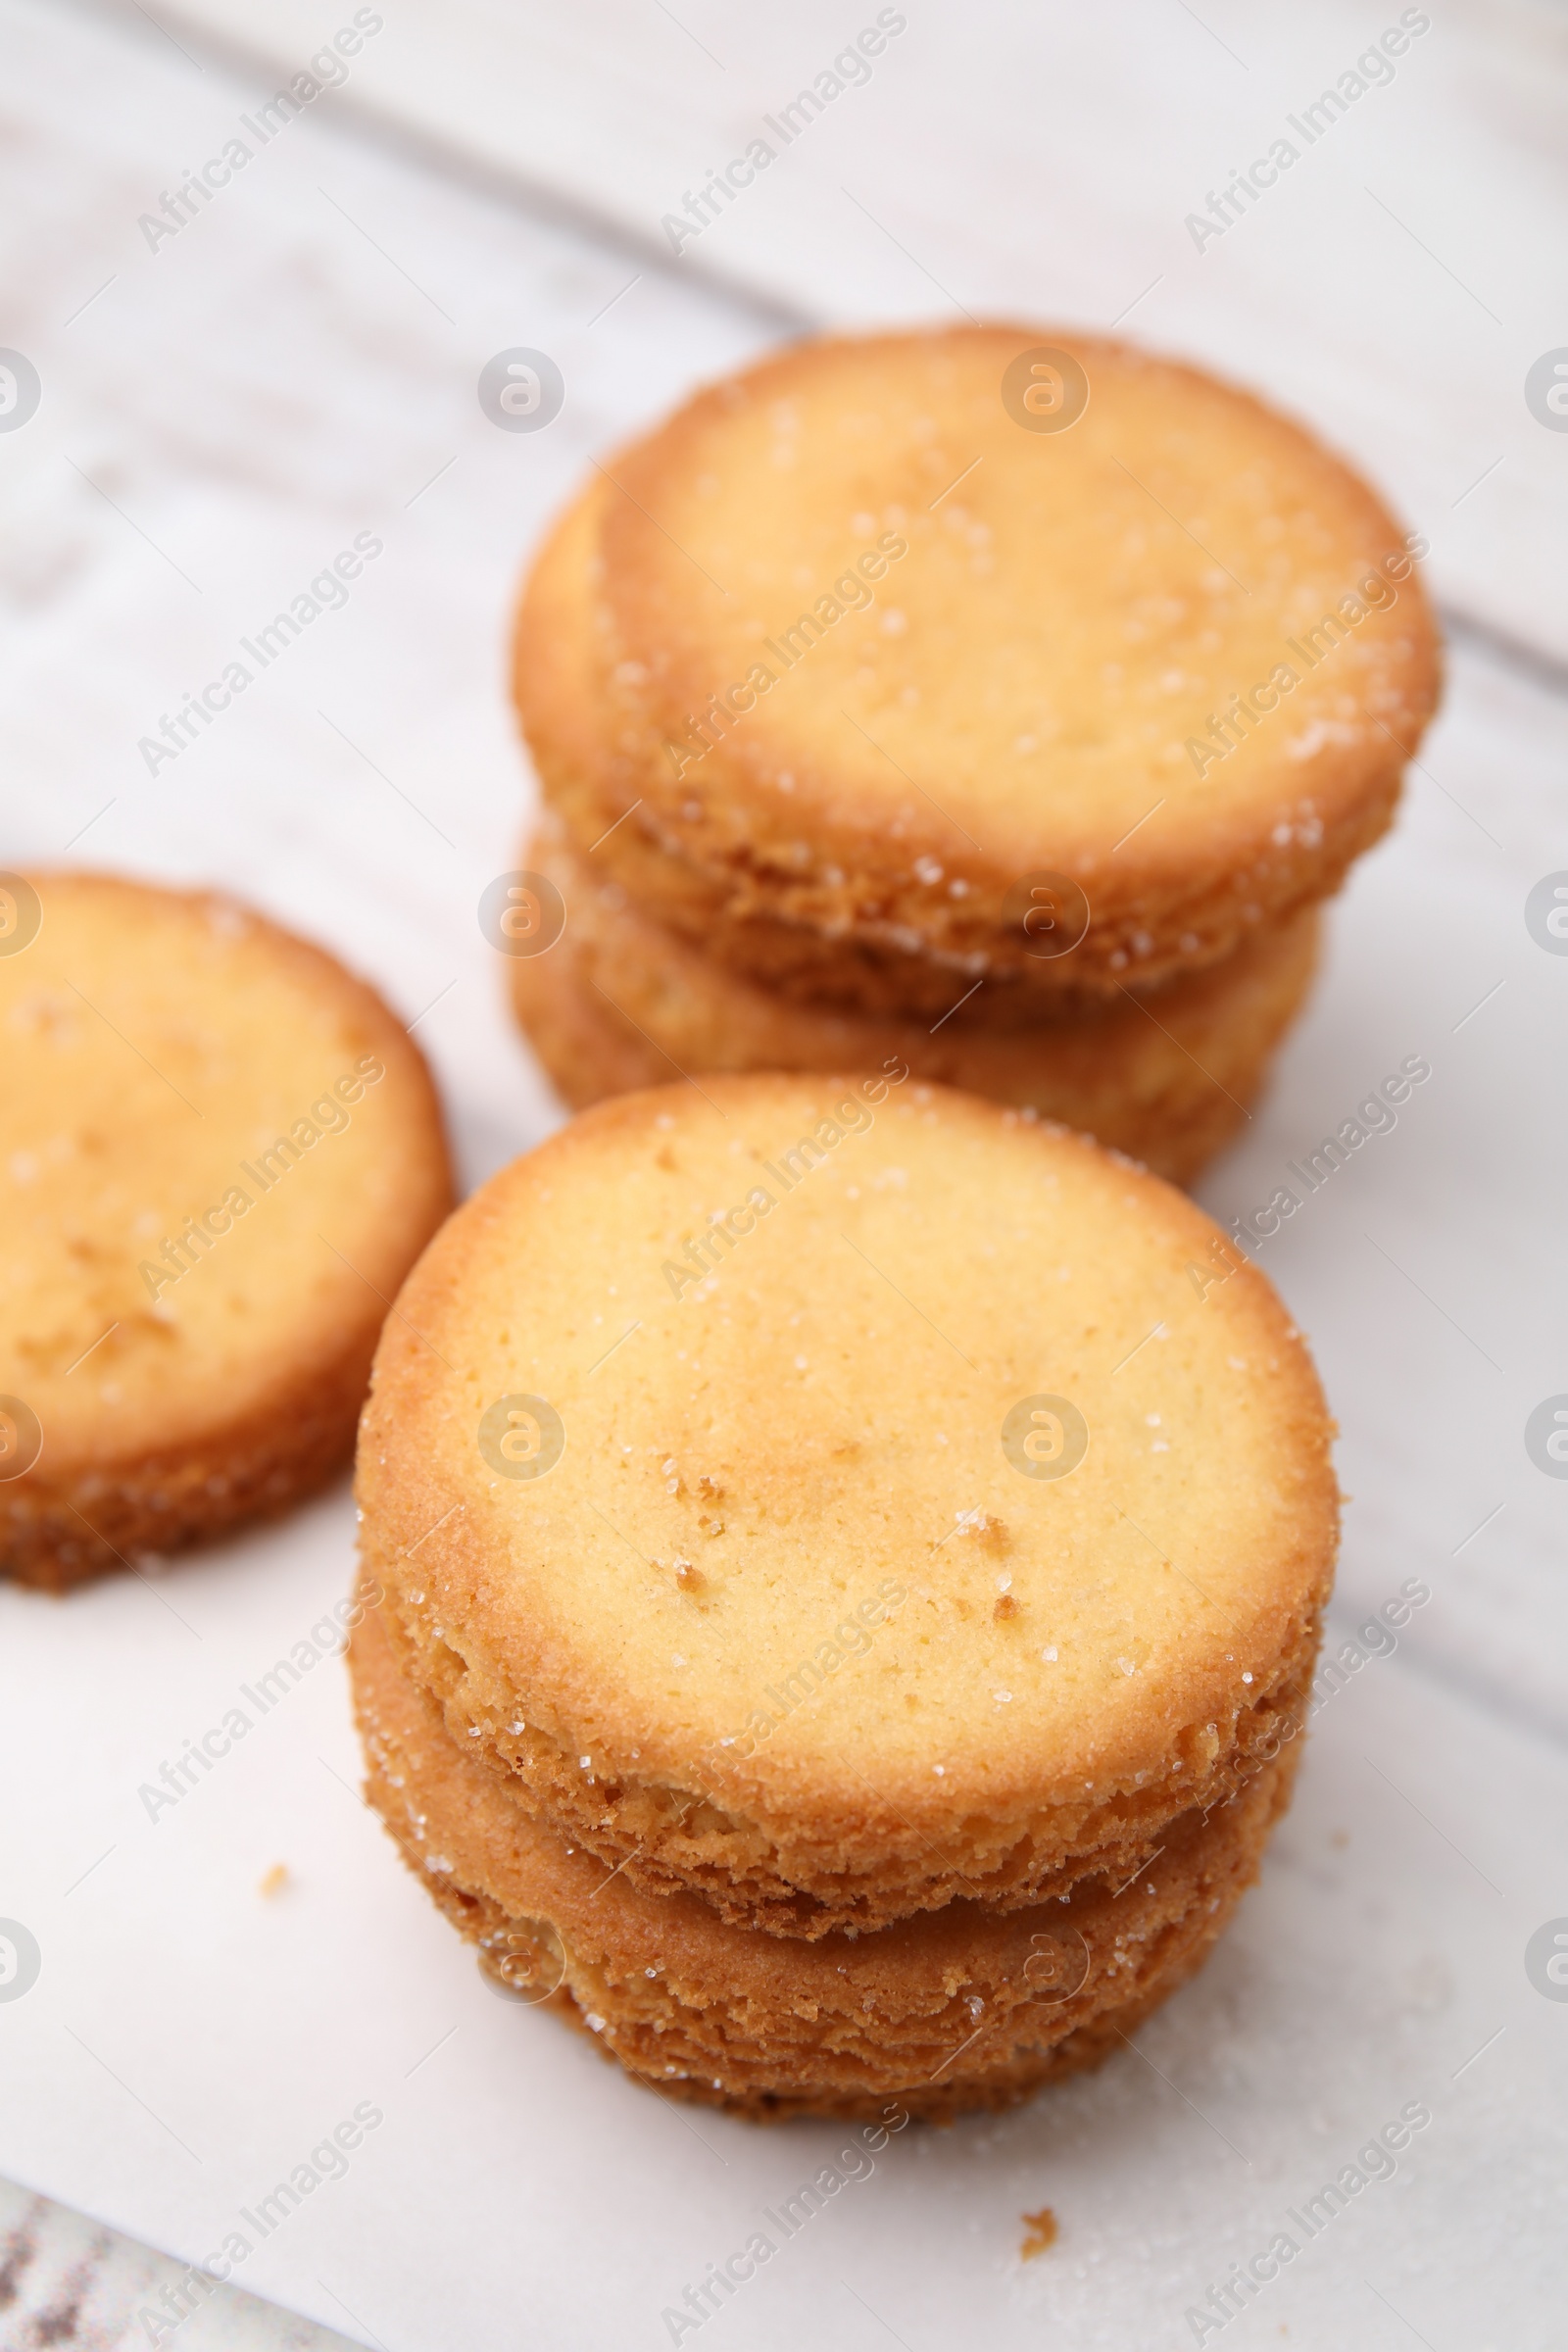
(219, 1155)
(966, 2007)
(620, 1002)
(904, 1501)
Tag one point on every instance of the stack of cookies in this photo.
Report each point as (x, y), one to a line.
(999, 704)
(850, 1561)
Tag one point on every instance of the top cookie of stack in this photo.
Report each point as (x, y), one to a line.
(912, 644)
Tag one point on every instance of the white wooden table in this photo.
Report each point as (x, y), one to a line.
(221, 408)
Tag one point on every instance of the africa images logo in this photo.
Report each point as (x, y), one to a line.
(521, 1436)
(20, 1960)
(1547, 1436)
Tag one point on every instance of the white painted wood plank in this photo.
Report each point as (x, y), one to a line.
(70, 2284)
(1395, 285)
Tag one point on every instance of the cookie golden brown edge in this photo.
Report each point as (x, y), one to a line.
(947, 2012)
(619, 1002)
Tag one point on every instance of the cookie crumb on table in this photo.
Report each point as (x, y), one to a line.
(1041, 2229)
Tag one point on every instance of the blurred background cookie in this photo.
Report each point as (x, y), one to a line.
(978, 680)
(219, 1155)
(891, 624)
(883, 637)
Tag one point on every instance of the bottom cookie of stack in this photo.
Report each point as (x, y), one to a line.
(620, 1001)
(960, 2008)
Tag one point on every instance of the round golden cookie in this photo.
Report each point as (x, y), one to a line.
(961, 2008)
(837, 1498)
(620, 1001)
(885, 651)
(219, 1155)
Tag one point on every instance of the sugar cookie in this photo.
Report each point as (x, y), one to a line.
(220, 1155)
